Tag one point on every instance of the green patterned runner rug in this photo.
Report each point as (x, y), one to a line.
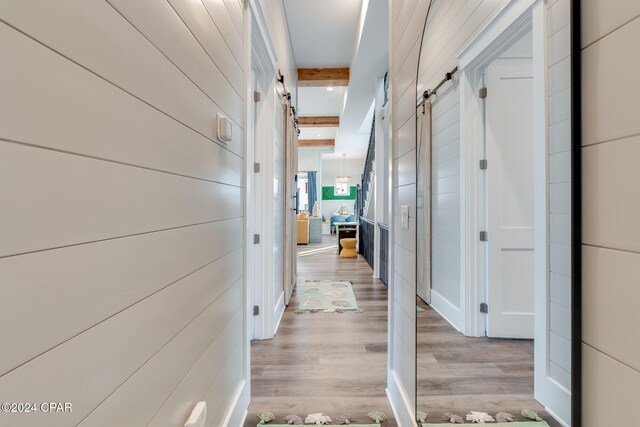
(327, 296)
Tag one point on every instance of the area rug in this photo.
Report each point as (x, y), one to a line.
(289, 425)
(327, 296)
(513, 424)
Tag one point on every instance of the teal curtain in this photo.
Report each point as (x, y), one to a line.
(313, 189)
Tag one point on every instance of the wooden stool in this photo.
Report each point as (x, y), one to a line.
(348, 248)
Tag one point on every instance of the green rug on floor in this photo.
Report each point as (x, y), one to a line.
(289, 425)
(327, 296)
(513, 424)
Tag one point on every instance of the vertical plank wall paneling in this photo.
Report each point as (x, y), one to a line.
(401, 383)
(611, 207)
(559, 176)
(122, 251)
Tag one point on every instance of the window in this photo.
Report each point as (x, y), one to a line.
(342, 186)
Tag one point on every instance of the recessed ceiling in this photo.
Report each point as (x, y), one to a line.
(317, 101)
(323, 33)
(318, 133)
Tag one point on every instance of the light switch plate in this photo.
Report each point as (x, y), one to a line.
(198, 415)
(225, 129)
(404, 216)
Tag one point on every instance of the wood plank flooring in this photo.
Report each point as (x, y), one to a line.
(460, 374)
(325, 362)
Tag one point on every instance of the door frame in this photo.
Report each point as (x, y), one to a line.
(259, 262)
(512, 22)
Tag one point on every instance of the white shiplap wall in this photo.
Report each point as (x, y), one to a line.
(611, 207)
(121, 254)
(445, 226)
(402, 346)
(559, 149)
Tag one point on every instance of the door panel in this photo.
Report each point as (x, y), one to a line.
(510, 198)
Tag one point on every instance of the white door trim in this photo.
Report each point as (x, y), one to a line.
(511, 22)
(260, 257)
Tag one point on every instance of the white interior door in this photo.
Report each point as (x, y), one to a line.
(510, 198)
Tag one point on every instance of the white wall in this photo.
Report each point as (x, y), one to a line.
(611, 233)
(559, 148)
(407, 18)
(445, 227)
(332, 168)
(122, 221)
(275, 17)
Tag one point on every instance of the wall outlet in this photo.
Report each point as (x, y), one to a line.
(404, 216)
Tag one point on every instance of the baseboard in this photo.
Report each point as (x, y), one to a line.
(399, 401)
(238, 410)
(448, 311)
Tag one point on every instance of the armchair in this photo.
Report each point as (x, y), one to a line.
(303, 228)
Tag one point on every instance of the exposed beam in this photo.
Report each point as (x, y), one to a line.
(316, 143)
(320, 77)
(320, 121)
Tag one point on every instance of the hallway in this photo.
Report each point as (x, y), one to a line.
(325, 362)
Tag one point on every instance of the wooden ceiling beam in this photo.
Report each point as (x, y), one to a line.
(316, 143)
(322, 77)
(320, 121)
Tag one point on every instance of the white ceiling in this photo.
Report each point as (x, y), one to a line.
(334, 33)
(323, 32)
(318, 133)
(317, 101)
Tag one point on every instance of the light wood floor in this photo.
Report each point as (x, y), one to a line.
(325, 362)
(460, 374)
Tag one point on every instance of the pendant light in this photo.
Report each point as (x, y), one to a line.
(343, 179)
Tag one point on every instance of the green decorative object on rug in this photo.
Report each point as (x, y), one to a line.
(421, 416)
(532, 415)
(377, 416)
(266, 417)
(327, 296)
(420, 309)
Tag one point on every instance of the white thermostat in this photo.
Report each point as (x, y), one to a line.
(225, 129)
(198, 415)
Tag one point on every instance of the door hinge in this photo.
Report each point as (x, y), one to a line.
(484, 236)
(482, 93)
(256, 167)
(256, 96)
(484, 308)
(483, 164)
(256, 310)
(256, 239)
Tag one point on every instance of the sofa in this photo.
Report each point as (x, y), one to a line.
(303, 228)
